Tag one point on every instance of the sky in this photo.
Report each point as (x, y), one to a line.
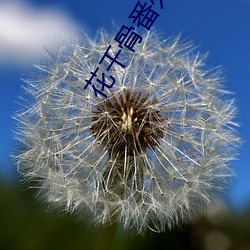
(220, 27)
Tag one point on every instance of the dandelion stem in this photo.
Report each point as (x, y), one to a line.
(105, 236)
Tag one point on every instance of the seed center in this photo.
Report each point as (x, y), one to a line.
(127, 122)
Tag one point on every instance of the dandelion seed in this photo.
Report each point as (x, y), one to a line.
(152, 154)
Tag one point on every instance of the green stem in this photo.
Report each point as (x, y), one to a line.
(105, 236)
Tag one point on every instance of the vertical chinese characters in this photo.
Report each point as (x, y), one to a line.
(143, 15)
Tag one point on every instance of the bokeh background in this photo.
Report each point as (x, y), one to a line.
(29, 28)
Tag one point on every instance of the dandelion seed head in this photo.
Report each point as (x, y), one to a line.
(150, 155)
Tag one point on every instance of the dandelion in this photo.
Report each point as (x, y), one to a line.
(150, 155)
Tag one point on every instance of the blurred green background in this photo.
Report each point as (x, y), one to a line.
(27, 225)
